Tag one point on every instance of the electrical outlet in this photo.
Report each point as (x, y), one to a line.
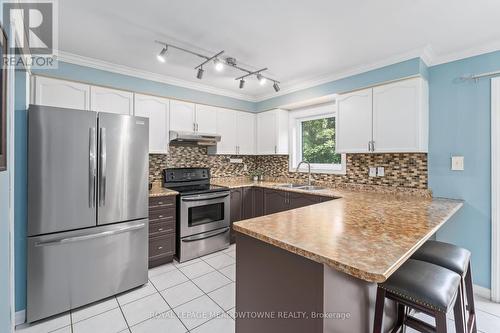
(380, 172)
(372, 172)
(457, 163)
(235, 160)
(245, 167)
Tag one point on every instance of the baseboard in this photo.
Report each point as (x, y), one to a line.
(20, 317)
(482, 291)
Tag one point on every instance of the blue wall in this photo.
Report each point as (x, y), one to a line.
(388, 73)
(460, 125)
(99, 77)
(20, 189)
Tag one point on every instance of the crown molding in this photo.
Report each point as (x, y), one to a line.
(466, 53)
(329, 77)
(130, 71)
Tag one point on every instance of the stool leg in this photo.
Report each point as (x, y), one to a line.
(458, 311)
(470, 301)
(379, 310)
(440, 322)
(400, 321)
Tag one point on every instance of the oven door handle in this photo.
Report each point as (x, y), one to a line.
(205, 235)
(201, 198)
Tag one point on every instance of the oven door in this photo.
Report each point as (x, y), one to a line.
(204, 212)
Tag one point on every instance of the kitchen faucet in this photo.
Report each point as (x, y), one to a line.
(309, 171)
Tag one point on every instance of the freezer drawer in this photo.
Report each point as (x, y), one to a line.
(71, 269)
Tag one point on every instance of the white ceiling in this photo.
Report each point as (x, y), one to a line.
(301, 41)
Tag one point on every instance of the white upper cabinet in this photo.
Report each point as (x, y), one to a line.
(156, 109)
(400, 112)
(111, 100)
(226, 128)
(272, 132)
(206, 119)
(60, 93)
(390, 118)
(182, 116)
(245, 133)
(354, 122)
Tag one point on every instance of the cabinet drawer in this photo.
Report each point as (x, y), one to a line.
(161, 228)
(156, 203)
(161, 246)
(161, 215)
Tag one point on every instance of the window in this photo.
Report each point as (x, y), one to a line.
(313, 140)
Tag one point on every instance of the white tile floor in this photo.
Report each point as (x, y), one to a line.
(197, 296)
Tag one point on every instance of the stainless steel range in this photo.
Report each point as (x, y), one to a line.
(203, 212)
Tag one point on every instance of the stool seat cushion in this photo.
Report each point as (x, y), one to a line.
(445, 255)
(423, 283)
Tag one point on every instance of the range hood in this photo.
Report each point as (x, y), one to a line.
(193, 138)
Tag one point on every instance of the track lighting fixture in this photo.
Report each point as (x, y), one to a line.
(219, 64)
(199, 75)
(276, 87)
(161, 56)
(262, 80)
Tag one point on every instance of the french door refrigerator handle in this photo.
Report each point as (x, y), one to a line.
(102, 176)
(91, 236)
(92, 166)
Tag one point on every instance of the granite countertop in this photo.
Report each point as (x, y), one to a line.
(159, 191)
(364, 234)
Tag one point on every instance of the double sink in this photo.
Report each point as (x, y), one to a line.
(302, 187)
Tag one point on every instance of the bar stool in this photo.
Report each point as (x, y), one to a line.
(456, 259)
(425, 287)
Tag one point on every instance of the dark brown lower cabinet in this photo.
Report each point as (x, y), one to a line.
(162, 221)
(250, 202)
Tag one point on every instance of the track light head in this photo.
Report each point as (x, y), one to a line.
(262, 80)
(161, 56)
(199, 75)
(276, 87)
(242, 84)
(219, 66)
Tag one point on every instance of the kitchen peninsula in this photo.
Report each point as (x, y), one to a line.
(320, 264)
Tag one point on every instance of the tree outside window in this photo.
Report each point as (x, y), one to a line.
(318, 141)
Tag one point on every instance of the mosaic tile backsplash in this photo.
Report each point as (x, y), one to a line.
(401, 170)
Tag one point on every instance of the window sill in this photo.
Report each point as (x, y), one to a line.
(323, 171)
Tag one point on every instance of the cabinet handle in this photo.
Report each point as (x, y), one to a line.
(373, 145)
(160, 247)
(275, 149)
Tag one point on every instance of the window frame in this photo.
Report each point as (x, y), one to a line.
(297, 117)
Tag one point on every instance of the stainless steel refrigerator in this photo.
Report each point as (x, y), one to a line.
(87, 207)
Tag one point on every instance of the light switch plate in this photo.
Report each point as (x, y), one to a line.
(372, 172)
(457, 163)
(380, 172)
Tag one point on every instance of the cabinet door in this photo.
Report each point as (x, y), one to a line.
(298, 200)
(61, 93)
(397, 116)
(247, 203)
(258, 201)
(182, 116)
(111, 100)
(245, 129)
(266, 133)
(206, 119)
(354, 122)
(275, 201)
(226, 128)
(156, 109)
(236, 211)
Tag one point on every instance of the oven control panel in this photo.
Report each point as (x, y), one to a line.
(185, 174)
